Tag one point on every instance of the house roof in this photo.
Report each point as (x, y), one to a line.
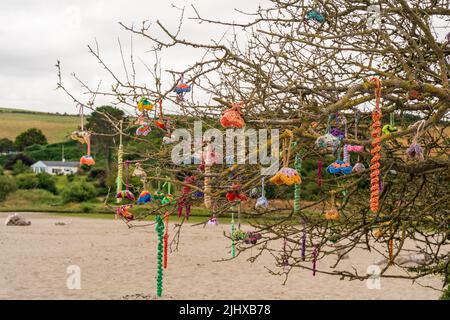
(69, 164)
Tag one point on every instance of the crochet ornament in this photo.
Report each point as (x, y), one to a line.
(213, 221)
(144, 128)
(144, 105)
(159, 255)
(181, 89)
(333, 213)
(232, 118)
(235, 194)
(160, 122)
(286, 176)
(262, 202)
(358, 167)
(168, 198)
(144, 196)
(87, 159)
(376, 148)
(183, 201)
(82, 134)
(166, 239)
(126, 194)
(315, 15)
(123, 212)
(415, 151)
(119, 180)
(298, 167)
(330, 140)
(390, 128)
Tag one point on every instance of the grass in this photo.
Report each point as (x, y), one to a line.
(55, 127)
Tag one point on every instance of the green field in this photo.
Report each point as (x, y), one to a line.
(55, 127)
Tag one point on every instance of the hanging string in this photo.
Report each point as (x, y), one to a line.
(82, 117)
(159, 255)
(166, 238)
(376, 148)
(127, 164)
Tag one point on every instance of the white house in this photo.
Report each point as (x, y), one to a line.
(55, 167)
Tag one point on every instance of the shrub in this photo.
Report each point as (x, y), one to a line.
(20, 167)
(2, 172)
(46, 182)
(70, 177)
(78, 192)
(11, 160)
(7, 185)
(86, 207)
(27, 181)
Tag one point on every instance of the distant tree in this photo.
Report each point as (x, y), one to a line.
(20, 167)
(30, 137)
(6, 145)
(13, 159)
(7, 185)
(100, 122)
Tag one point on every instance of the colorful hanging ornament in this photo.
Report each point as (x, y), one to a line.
(252, 237)
(262, 202)
(333, 213)
(82, 134)
(159, 255)
(87, 159)
(119, 180)
(328, 140)
(184, 201)
(235, 194)
(358, 167)
(181, 89)
(232, 117)
(376, 148)
(390, 128)
(123, 211)
(160, 122)
(213, 221)
(168, 197)
(286, 176)
(144, 197)
(315, 15)
(144, 105)
(139, 172)
(415, 151)
(144, 127)
(126, 194)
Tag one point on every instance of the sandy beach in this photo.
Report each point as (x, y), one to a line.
(116, 261)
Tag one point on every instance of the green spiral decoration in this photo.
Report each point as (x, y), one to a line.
(159, 273)
(298, 167)
(233, 229)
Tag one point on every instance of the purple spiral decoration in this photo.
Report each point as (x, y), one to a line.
(304, 244)
(314, 260)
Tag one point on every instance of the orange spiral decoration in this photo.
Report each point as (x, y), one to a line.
(166, 238)
(391, 250)
(376, 148)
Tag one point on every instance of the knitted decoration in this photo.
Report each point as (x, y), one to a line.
(123, 212)
(298, 167)
(233, 117)
(376, 148)
(183, 201)
(144, 105)
(126, 194)
(160, 122)
(235, 194)
(286, 175)
(390, 128)
(159, 255)
(415, 151)
(333, 213)
(262, 202)
(87, 159)
(315, 15)
(119, 164)
(166, 238)
(181, 89)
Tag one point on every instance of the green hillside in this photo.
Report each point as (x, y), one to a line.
(56, 127)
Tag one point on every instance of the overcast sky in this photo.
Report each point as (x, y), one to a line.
(34, 34)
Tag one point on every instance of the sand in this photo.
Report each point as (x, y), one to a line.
(116, 261)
